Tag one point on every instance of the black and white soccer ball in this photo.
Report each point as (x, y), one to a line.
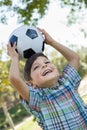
(29, 40)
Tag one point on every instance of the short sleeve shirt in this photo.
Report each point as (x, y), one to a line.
(59, 108)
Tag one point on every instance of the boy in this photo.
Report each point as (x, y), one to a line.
(52, 98)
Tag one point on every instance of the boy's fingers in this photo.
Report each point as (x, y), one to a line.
(8, 46)
(15, 45)
(41, 30)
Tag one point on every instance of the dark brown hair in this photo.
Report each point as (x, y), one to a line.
(28, 65)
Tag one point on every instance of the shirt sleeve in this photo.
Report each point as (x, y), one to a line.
(33, 104)
(34, 98)
(69, 73)
(25, 105)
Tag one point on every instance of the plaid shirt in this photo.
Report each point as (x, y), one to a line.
(59, 108)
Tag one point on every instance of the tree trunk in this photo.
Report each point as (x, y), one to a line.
(4, 107)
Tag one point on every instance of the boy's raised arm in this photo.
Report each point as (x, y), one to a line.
(69, 54)
(14, 73)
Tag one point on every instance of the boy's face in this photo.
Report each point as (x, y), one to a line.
(43, 73)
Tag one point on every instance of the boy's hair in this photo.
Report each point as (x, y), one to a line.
(28, 65)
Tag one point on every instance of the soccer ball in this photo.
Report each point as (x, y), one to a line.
(29, 41)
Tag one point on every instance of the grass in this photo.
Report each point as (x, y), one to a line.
(29, 125)
(85, 98)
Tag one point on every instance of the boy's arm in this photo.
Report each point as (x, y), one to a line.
(69, 54)
(72, 57)
(14, 74)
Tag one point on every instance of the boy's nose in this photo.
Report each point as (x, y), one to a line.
(44, 65)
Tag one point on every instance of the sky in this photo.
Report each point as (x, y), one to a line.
(54, 22)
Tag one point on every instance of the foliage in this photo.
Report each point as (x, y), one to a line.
(83, 62)
(18, 113)
(28, 11)
(7, 93)
(4, 83)
(74, 3)
(75, 6)
(6, 90)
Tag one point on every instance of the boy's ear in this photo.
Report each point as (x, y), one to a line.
(32, 84)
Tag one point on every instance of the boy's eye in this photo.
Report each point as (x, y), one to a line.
(36, 67)
(47, 62)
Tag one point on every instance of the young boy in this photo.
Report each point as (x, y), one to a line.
(52, 98)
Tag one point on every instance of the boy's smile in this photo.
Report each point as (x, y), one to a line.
(44, 73)
(47, 71)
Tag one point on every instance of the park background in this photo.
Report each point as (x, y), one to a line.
(66, 21)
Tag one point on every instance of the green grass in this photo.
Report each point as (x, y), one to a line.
(29, 125)
(85, 98)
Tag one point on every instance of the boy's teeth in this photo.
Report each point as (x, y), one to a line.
(45, 72)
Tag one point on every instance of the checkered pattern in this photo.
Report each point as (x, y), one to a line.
(59, 108)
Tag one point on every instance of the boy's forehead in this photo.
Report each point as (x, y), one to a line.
(39, 59)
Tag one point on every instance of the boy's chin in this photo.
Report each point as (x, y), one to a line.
(50, 83)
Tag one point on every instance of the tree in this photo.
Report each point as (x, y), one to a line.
(27, 11)
(75, 6)
(7, 93)
(5, 89)
(83, 62)
(30, 11)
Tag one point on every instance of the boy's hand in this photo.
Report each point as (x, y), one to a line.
(11, 51)
(48, 39)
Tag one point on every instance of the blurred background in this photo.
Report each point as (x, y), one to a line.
(66, 21)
